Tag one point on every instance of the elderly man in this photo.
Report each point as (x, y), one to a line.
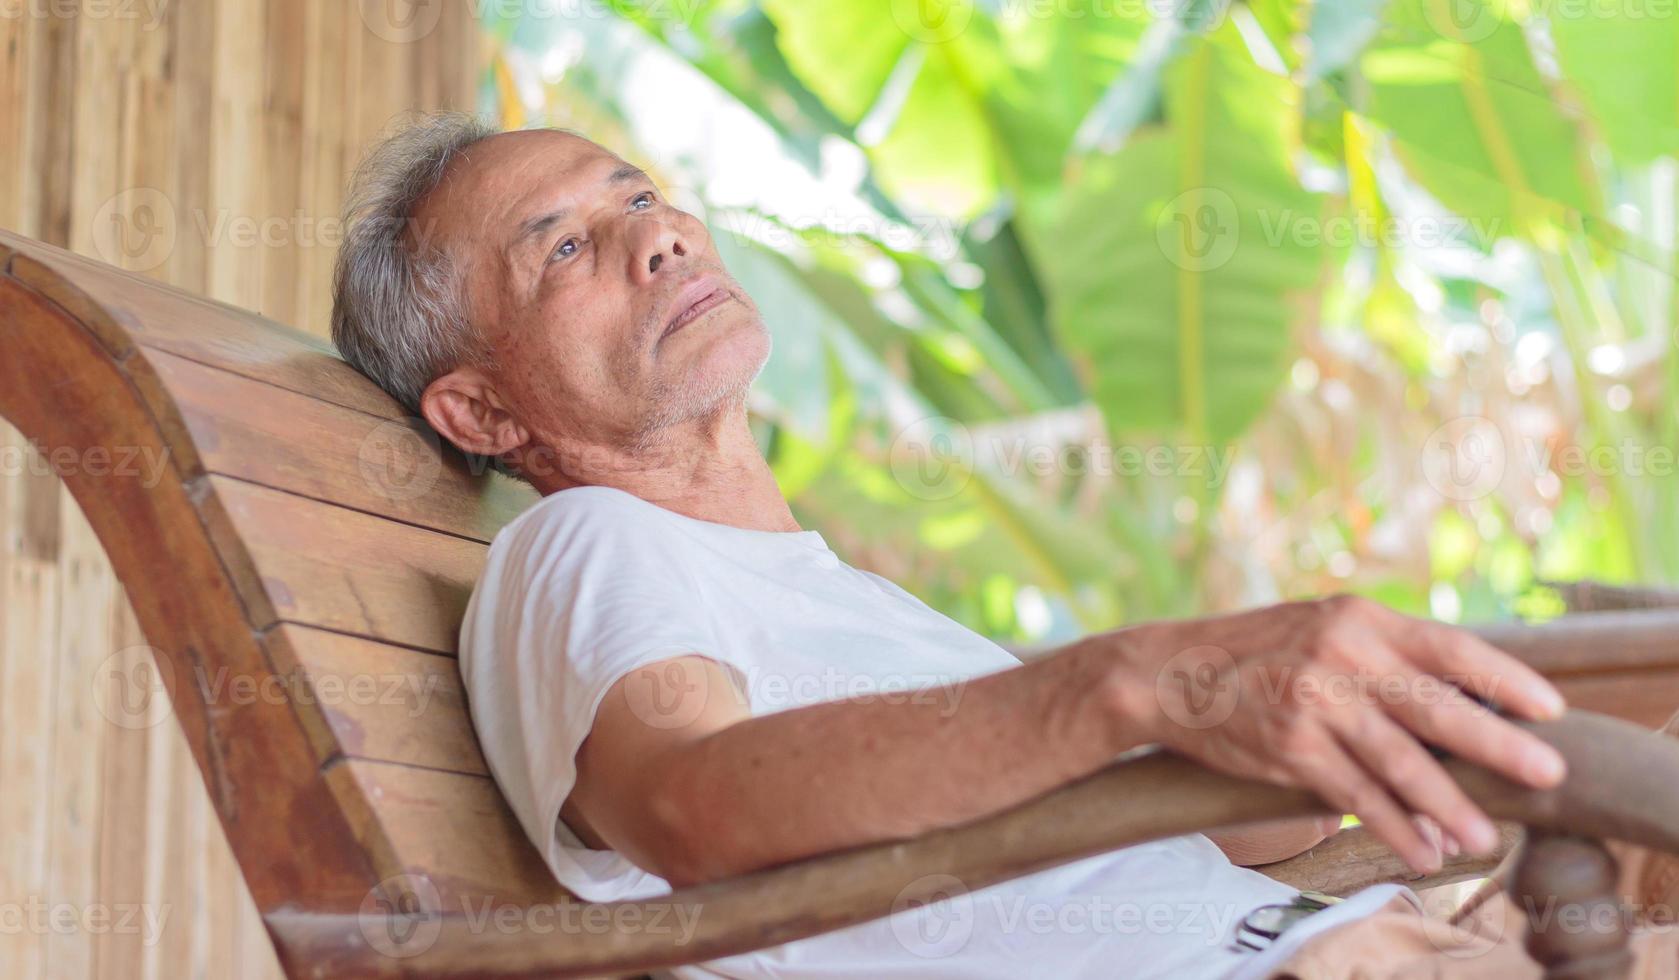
(674, 683)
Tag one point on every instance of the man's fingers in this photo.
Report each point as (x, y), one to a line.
(1400, 762)
(1340, 780)
(1448, 718)
(1431, 832)
(1482, 669)
(1449, 845)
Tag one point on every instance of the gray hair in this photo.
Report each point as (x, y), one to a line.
(399, 311)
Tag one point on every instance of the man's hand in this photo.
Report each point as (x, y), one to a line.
(1339, 696)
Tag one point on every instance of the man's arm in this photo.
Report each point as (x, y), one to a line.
(1333, 695)
(677, 776)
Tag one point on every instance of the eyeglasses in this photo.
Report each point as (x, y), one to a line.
(1261, 927)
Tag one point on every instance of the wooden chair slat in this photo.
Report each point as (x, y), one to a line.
(1643, 697)
(265, 434)
(1355, 858)
(1590, 643)
(343, 570)
(451, 829)
(369, 700)
(141, 312)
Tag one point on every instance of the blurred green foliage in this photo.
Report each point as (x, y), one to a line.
(1088, 311)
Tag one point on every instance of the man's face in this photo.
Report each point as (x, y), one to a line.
(608, 313)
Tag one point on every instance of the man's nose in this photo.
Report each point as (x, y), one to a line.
(662, 246)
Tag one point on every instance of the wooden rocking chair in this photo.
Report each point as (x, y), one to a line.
(307, 537)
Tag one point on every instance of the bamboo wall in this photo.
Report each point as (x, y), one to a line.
(206, 143)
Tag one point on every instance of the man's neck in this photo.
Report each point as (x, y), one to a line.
(709, 469)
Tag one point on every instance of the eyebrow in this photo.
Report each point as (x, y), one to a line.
(537, 225)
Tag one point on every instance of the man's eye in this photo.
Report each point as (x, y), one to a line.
(568, 248)
(644, 201)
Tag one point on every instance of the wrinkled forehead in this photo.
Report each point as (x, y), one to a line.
(490, 186)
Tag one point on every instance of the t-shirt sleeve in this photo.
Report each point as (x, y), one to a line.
(575, 595)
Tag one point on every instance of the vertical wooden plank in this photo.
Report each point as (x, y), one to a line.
(237, 169)
(161, 825)
(29, 594)
(225, 913)
(193, 60)
(123, 826)
(383, 87)
(102, 52)
(147, 160)
(35, 502)
(188, 855)
(10, 443)
(325, 109)
(53, 142)
(25, 754)
(15, 176)
(458, 60)
(87, 591)
(296, 220)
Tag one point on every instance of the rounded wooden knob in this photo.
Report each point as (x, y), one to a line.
(1567, 886)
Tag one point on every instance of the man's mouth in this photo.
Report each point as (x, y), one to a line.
(701, 297)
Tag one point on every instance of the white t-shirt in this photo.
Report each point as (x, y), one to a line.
(591, 583)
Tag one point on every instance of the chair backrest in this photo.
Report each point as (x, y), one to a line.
(300, 570)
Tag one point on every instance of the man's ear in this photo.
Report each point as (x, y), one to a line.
(464, 408)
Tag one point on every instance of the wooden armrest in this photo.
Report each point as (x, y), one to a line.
(1623, 784)
(1355, 859)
